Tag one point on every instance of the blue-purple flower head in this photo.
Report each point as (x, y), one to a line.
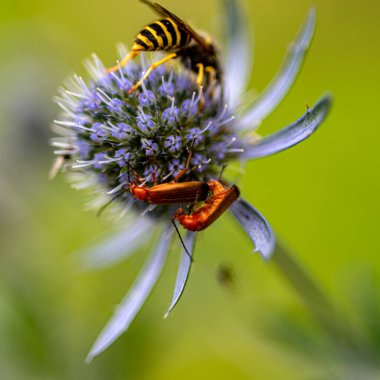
(115, 136)
(110, 137)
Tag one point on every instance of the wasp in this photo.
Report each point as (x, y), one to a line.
(171, 34)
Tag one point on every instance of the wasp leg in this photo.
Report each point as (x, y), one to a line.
(200, 77)
(132, 54)
(211, 79)
(201, 74)
(151, 68)
(211, 74)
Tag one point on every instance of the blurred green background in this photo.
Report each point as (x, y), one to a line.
(322, 197)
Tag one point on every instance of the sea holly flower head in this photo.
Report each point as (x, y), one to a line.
(111, 138)
(150, 130)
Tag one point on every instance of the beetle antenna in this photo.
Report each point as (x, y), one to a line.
(101, 210)
(221, 172)
(184, 170)
(183, 244)
(129, 174)
(134, 172)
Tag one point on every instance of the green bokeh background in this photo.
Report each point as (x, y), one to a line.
(322, 197)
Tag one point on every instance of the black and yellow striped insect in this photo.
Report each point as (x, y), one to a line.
(196, 52)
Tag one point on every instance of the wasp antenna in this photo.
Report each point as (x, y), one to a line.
(180, 238)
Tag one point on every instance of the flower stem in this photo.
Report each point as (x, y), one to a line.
(337, 328)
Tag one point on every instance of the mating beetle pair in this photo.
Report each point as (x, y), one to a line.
(189, 192)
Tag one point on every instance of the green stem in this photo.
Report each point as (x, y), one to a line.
(336, 327)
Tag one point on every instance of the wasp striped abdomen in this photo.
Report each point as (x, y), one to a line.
(175, 36)
(161, 35)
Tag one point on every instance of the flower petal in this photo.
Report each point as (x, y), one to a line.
(135, 298)
(269, 99)
(256, 227)
(183, 271)
(238, 52)
(118, 247)
(292, 134)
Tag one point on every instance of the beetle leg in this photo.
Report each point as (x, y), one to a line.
(151, 68)
(154, 178)
(184, 170)
(217, 195)
(217, 189)
(194, 207)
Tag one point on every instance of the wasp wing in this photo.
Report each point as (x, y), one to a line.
(166, 13)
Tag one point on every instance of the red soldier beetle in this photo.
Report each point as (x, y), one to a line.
(211, 209)
(171, 192)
